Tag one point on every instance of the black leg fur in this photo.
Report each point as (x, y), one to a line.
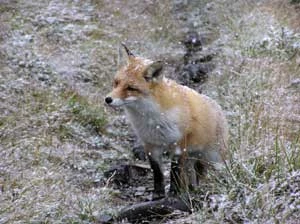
(159, 189)
(175, 176)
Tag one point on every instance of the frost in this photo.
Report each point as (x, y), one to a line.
(58, 63)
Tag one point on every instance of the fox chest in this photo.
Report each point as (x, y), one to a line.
(155, 127)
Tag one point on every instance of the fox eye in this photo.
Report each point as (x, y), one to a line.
(116, 83)
(130, 88)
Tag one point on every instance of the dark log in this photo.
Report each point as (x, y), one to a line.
(153, 209)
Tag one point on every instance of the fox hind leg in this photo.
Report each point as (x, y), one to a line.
(175, 176)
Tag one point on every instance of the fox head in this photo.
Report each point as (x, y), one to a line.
(134, 81)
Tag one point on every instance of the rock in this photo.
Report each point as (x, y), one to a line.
(125, 173)
(196, 63)
(192, 42)
(51, 20)
(43, 78)
(103, 219)
(295, 83)
(141, 188)
(196, 73)
(199, 57)
(140, 191)
(138, 151)
(22, 64)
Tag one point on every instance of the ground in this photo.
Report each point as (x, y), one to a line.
(57, 61)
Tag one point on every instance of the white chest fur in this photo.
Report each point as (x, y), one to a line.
(151, 124)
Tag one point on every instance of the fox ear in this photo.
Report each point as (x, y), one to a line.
(154, 71)
(129, 53)
(121, 58)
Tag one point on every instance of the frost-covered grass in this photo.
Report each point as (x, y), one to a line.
(257, 66)
(44, 161)
(56, 63)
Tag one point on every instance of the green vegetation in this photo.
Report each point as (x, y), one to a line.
(84, 112)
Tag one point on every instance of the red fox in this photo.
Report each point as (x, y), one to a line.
(168, 117)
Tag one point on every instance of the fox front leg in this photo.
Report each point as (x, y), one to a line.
(156, 166)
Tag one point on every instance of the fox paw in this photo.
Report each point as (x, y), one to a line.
(157, 195)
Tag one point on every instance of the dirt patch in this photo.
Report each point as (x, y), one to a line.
(285, 11)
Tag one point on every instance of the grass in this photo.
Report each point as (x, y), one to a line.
(53, 140)
(40, 149)
(84, 112)
(261, 181)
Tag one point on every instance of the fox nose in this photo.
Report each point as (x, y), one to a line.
(108, 99)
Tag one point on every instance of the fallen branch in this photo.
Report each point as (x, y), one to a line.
(148, 210)
(153, 209)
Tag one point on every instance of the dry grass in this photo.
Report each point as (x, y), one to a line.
(45, 161)
(254, 84)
